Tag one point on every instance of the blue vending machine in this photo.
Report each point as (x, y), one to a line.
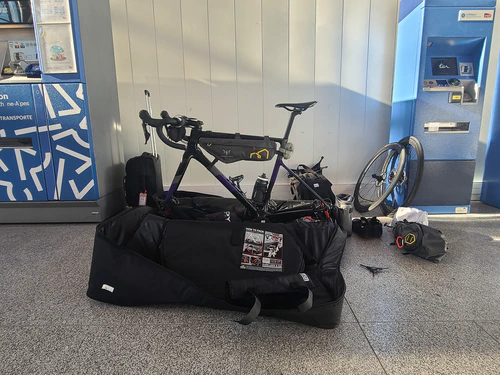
(442, 57)
(60, 148)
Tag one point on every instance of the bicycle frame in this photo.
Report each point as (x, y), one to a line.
(193, 152)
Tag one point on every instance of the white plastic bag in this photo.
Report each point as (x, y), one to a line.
(413, 215)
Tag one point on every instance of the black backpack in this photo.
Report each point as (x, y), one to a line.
(314, 178)
(420, 240)
(143, 175)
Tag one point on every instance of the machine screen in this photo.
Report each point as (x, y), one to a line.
(444, 66)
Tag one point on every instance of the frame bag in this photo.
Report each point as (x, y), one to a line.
(420, 240)
(231, 150)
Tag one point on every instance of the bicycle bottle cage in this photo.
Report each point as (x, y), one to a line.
(236, 149)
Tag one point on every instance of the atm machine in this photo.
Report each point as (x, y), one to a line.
(442, 56)
(60, 144)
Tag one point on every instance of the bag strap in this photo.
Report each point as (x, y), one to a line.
(253, 313)
(310, 259)
(257, 305)
(305, 169)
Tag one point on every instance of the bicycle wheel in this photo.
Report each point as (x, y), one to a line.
(379, 177)
(406, 188)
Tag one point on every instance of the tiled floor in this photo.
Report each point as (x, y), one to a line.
(414, 318)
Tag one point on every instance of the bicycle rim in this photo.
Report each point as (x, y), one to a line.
(406, 188)
(379, 177)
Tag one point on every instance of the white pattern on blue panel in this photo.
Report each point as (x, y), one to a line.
(73, 133)
(10, 188)
(75, 109)
(70, 138)
(31, 129)
(29, 196)
(85, 190)
(20, 164)
(60, 176)
(3, 166)
(83, 123)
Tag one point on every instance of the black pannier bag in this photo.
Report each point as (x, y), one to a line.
(314, 178)
(420, 240)
(230, 150)
(289, 271)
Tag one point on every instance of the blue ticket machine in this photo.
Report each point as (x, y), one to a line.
(60, 157)
(441, 63)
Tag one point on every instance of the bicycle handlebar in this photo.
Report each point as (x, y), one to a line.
(166, 121)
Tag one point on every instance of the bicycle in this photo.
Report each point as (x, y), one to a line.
(234, 147)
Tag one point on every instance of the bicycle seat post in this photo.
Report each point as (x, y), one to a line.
(293, 114)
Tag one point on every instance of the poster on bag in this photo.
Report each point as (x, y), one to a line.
(52, 11)
(56, 49)
(262, 251)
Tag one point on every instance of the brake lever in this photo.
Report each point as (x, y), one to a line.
(147, 135)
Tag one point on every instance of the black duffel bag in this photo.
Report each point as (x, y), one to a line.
(420, 240)
(290, 271)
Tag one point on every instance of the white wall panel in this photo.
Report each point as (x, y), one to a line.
(274, 68)
(125, 82)
(328, 54)
(301, 68)
(228, 62)
(170, 60)
(249, 76)
(223, 72)
(197, 74)
(380, 72)
(353, 93)
(141, 30)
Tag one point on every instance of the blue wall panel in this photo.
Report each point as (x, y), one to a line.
(69, 138)
(43, 138)
(21, 169)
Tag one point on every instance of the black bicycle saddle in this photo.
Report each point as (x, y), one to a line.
(296, 106)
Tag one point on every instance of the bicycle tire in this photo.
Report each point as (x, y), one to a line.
(413, 172)
(382, 179)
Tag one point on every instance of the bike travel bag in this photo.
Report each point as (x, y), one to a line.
(290, 271)
(420, 240)
(237, 149)
(143, 175)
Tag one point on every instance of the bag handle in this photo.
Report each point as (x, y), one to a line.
(257, 306)
(290, 290)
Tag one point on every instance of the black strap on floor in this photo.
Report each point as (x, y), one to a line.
(253, 313)
(307, 304)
